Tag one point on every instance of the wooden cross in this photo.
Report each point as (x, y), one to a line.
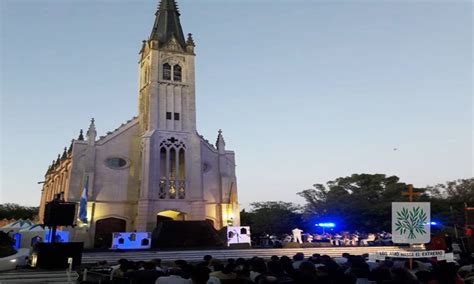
(411, 193)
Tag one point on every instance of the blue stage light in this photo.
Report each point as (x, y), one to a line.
(326, 225)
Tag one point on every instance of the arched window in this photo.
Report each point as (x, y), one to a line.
(181, 175)
(163, 179)
(166, 71)
(172, 183)
(172, 174)
(177, 73)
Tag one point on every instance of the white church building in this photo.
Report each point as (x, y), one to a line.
(155, 166)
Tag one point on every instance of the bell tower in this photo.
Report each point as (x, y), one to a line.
(166, 75)
(170, 149)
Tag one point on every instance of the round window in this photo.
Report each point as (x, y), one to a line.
(116, 163)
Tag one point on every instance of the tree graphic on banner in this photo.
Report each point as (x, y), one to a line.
(411, 222)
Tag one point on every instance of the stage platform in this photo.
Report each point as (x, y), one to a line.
(196, 255)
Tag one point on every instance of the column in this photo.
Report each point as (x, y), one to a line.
(167, 188)
(176, 179)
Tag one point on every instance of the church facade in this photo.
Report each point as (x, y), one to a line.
(155, 166)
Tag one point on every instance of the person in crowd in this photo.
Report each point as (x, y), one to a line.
(306, 273)
(297, 260)
(258, 267)
(174, 277)
(223, 272)
(207, 259)
(124, 267)
(158, 265)
(320, 269)
(147, 274)
(200, 275)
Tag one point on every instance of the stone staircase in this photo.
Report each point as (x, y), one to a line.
(37, 276)
(196, 255)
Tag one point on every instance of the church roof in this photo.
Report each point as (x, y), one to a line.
(167, 23)
(117, 130)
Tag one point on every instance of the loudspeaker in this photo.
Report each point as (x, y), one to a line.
(56, 255)
(59, 213)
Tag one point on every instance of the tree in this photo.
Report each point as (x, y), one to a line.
(449, 199)
(456, 191)
(356, 202)
(15, 211)
(272, 217)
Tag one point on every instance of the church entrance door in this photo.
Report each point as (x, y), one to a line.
(104, 229)
(169, 215)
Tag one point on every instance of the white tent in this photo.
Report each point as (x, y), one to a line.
(33, 231)
(17, 226)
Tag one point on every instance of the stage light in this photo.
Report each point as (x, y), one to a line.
(326, 225)
(433, 223)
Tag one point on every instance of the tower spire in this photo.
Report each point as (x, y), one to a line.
(220, 143)
(167, 23)
(91, 132)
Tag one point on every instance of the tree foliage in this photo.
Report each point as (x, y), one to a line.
(449, 199)
(15, 211)
(272, 217)
(363, 201)
(357, 202)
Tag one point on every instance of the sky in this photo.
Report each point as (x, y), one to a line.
(305, 91)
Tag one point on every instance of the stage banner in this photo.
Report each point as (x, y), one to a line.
(411, 254)
(411, 222)
(238, 235)
(133, 240)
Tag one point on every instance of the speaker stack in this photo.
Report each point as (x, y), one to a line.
(59, 213)
(58, 255)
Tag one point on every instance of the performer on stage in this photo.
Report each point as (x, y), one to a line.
(336, 239)
(370, 238)
(297, 235)
(355, 239)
